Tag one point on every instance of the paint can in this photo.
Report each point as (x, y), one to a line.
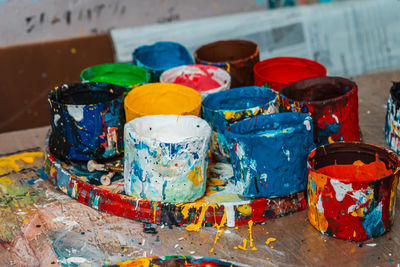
(166, 158)
(222, 109)
(87, 121)
(162, 99)
(278, 72)
(204, 79)
(161, 56)
(332, 103)
(125, 75)
(269, 154)
(352, 190)
(237, 57)
(392, 127)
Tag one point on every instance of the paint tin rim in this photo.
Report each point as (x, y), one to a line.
(351, 146)
(224, 42)
(230, 93)
(275, 62)
(112, 66)
(118, 94)
(148, 46)
(297, 121)
(170, 72)
(150, 86)
(354, 89)
(176, 118)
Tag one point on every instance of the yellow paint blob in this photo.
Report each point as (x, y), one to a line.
(245, 210)
(270, 240)
(9, 163)
(195, 175)
(162, 98)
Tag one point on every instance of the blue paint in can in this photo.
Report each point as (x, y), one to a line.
(161, 56)
(87, 121)
(269, 154)
(222, 109)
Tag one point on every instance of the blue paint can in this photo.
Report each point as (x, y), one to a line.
(224, 108)
(87, 121)
(269, 154)
(161, 56)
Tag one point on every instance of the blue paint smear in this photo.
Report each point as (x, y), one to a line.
(262, 139)
(161, 56)
(42, 173)
(30, 182)
(372, 222)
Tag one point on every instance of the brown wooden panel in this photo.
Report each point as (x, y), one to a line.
(29, 71)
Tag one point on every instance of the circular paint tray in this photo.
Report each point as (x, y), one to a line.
(178, 261)
(219, 203)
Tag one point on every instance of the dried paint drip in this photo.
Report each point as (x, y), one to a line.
(269, 152)
(237, 57)
(224, 108)
(392, 127)
(166, 158)
(161, 56)
(184, 261)
(281, 71)
(125, 75)
(204, 79)
(352, 190)
(87, 121)
(162, 99)
(332, 103)
(244, 245)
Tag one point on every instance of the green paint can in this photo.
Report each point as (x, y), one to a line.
(125, 75)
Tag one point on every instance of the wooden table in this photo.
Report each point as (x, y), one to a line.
(41, 226)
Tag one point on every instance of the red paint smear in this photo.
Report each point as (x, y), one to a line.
(199, 81)
(358, 171)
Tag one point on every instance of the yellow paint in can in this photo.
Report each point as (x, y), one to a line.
(162, 99)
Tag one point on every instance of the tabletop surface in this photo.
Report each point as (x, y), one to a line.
(40, 225)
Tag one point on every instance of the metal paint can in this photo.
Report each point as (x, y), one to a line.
(161, 56)
(352, 190)
(269, 154)
(332, 103)
(87, 121)
(392, 127)
(237, 57)
(166, 158)
(204, 79)
(278, 72)
(226, 107)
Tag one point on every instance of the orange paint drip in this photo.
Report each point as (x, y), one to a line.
(358, 171)
(155, 211)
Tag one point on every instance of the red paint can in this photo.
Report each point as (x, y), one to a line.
(281, 71)
(352, 190)
(332, 103)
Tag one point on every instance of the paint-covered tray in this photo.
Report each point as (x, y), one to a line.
(220, 204)
(177, 261)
